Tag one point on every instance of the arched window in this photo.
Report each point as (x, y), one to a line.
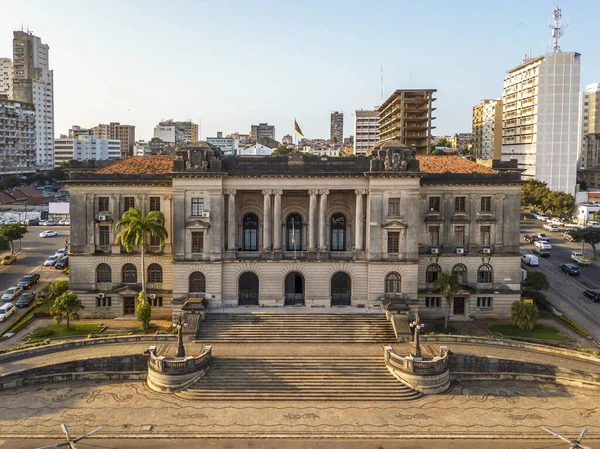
(103, 273)
(485, 274)
(294, 232)
(460, 271)
(129, 273)
(197, 282)
(250, 234)
(155, 274)
(338, 232)
(393, 283)
(432, 273)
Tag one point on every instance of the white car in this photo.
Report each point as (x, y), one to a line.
(551, 227)
(67, 222)
(61, 252)
(48, 234)
(12, 293)
(543, 244)
(50, 261)
(6, 310)
(542, 217)
(557, 221)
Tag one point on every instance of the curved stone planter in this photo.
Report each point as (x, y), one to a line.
(168, 375)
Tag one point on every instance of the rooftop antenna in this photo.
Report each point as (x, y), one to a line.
(556, 26)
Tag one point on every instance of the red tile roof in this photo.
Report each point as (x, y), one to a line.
(140, 164)
(30, 191)
(452, 164)
(16, 194)
(6, 199)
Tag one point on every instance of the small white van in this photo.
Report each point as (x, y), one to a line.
(530, 259)
(6, 310)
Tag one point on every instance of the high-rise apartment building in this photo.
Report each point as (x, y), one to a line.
(33, 82)
(407, 116)
(5, 76)
(589, 122)
(590, 152)
(114, 130)
(336, 128)
(225, 144)
(540, 106)
(487, 129)
(85, 147)
(261, 130)
(17, 137)
(366, 130)
(174, 132)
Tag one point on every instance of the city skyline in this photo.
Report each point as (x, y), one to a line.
(155, 71)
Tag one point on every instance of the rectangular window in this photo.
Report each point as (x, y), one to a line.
(104, 302)
(486, 204)
(393, 242)
(485, 235)
(434, 204)
(433, 301)
(393, 207)
(434, 235)
(156, 301)
(104, 232)
(197, 242)
(102, 204)
(197, 206)
(155, 241)
(128, 203)
(459, 204)
(154, 203)
(484, 302)
(459, 235)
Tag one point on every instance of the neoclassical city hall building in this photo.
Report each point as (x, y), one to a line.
(304, 231)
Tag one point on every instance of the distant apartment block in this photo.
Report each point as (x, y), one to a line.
(173, 132)
(336, 128)
(589, 122)
(5, 76)
(114, 130)
(85, 147)
(17, 137)
(142, 148)
(590, 153)
(407, 116)
(462, 143)
(487, 129)
(226, 144)
(261, 130)
(366, 130)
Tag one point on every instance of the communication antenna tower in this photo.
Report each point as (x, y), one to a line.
(557, 28)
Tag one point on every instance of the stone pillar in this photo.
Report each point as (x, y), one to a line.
(115, 215)
(358, 221)
(231, 221)
(499, 225)
(277, 220)
(168, 212)
(267, 220)
(323, 220)
(90, 199)
(312, 221)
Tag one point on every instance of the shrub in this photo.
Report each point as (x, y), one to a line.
(572, 324)
(42, 332)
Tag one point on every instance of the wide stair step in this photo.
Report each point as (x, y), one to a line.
(280, 378)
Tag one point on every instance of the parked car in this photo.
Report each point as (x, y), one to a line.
(12, 293)
(541, 252)
(61, 222)
(593, 294)
(570, 269)
(48, 234)
(543, 244)
(530, 259)
(29, 280)
(579, 259)
(50, 261)
(6, 310)
(557, 221)
(542, 217)
(51, 223)
(9, 259)
(530, 238)
(534, 213)
(568, 237)
(25, 299)
(542, 236)
(551, 227)
(62, 263)
(67, 222)
(571, 228)
(31, 222)
(61, 252)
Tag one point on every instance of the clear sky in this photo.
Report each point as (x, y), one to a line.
(232, 63)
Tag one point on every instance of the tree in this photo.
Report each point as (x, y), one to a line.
(448, 286)
(588, 235)
(66, 306)
(524, 315)
(144, 311)
(438, 152)
(12, 232)
(284, 151)
(56, 289)
(536, 281)
(533, 192)
(597, 215)
(443, 142)
(134, 227)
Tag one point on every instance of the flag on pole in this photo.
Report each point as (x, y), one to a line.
(297, 129)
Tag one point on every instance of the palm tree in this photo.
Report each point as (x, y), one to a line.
(448, 286)
(133, 229)
(524, 315)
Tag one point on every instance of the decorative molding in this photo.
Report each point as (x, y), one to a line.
(361, 191)
(277, 192)
(313, 192)
(230, 192)
(167, 197)
(394, 224)
(324, 192)
(267, 192)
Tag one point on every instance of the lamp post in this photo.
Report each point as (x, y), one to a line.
(180, 347)
(417, 326)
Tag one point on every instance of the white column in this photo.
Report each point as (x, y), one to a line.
(358, 221)
(323, 220)
(267, 220)
(277, 220)
(312, 220)
(231, 221)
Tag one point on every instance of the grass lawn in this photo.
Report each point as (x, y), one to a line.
(60, 330)
(540, 332)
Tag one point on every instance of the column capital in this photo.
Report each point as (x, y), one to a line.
(89, 196)
(277, 192)
(313, 192)
(324, 191)
(361, 191)
(115, 196)
(230, 192)
(500, 196)
(141, 196)
(267, 192)
(167, 197)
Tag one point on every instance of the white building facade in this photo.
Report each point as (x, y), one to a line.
(165, 133)
(85, 148)
(5, 76)
(225, 144)
(366, 130)
(589, 121)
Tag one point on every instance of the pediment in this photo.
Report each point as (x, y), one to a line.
(198, 224)
(394, 224)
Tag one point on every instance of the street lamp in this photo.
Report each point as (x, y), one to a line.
(417, 326)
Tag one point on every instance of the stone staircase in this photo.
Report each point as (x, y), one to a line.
(323, 328)
(290, 378)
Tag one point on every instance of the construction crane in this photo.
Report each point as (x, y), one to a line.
(71, 441)
(575, 442)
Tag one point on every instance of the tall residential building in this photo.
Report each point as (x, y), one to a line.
(487, 129)
(540, 118)
(33, 82)
(407, 116)
(462, 143)
(589, 120)
(226, 144)
(77, 131)
(336, 128)
(175, 132)
(17, 137)
(5, 76)
(85, 147)
(366, 130)
(590, 152)
(261, 130)
(114, 130)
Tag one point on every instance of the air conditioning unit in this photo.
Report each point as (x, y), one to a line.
(101, 296)
(460, 250)
(487, 251)
(102, 218)
(205, 214)
(434, 250)
(152, 296)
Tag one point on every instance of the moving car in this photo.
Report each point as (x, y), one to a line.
(551, 227)
(579, 259)
(542, 236)
(62, 263)
(530, 259)
(25, 299)
(530, 238)
(557, 221)
(568, 236)
(50, 261)
(540, 252)
(593, 294)
(48, 234)
(542, 217)
(570, 269)
(12, 293)
(29, 280)
(6, 310)
(543, 244)
(9, 259)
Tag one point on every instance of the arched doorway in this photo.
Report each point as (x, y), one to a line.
(294, 289)
(341, 289)
(248, 289)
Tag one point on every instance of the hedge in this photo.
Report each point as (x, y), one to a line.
(571, 324)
